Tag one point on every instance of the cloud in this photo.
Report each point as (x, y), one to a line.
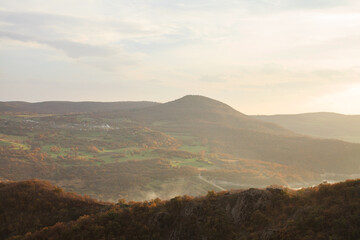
(72, 49)
(35, 18)
(256, 48)
(308, 4)
(93, 31)
(212, 79)
(259, 5)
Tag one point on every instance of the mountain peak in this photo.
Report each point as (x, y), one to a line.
(195, 97)
(195, 111)
(192, 108)
(200, 103)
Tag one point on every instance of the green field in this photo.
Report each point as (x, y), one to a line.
(73, 140)
(14, 141)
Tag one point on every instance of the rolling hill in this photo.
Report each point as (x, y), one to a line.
(61, 107)
(230, 131)
(322, 125)
(193, 111)
(187, 146)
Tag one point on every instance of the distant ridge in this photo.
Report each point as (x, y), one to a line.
(63, 107)
(229, 131)
(199, 106)
(191, 107)
(196, 110)
(320, 124)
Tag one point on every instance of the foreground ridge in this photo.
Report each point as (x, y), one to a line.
(28, 206)
(322, 212)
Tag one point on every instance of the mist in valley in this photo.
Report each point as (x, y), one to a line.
(179, 119)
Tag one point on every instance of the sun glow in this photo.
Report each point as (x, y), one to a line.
(345, 101)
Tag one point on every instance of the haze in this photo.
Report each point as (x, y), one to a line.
(261, 57)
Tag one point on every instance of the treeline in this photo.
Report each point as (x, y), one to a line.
(322, 212)
(31, 205)
(131, 179)
(62, 132)
(21, 164)
(105, 181)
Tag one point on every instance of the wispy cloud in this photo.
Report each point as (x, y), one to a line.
(72, 49)
(220, 48)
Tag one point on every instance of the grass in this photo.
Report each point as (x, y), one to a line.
(6, 116)
(84, 118)
(159, 123)
(193, 162)
(94, 135)
(65, 151)
(12, 140)
(4, 142)
(194, 149)
(190, 144)
(46, 148)
(35, 115)
(109, 155)
(180, 136)
(149, 154)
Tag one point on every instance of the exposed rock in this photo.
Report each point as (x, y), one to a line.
(247, 203)
(269, 234)
(176, 233)
(190, 209)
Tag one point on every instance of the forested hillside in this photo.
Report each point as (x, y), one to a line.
(322, 212)
(31, 205)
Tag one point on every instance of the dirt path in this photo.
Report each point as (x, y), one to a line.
(211, 183)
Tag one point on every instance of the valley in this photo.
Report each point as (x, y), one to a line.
(161, 150)
(179, 120)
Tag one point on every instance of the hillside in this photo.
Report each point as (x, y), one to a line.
(322, 125)
(322, 212)
(232, 132)
(187, 146)
(31, 205)
(61, 107)
(194, 111)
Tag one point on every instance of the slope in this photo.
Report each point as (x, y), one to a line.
(322, 212)
(232, 132)
(31, 205)
(192, 111)
(323, 125)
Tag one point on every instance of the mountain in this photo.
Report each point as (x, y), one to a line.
(322, 212)
(193, 111)
(188, 146)
(232, 132)
(60, 107)
(28, 206)
(322, 125)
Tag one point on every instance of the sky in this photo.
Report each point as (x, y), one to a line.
(258, 56)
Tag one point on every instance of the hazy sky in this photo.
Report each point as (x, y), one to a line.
(259, 56)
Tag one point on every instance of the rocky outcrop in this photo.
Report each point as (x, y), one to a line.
(247, 202)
